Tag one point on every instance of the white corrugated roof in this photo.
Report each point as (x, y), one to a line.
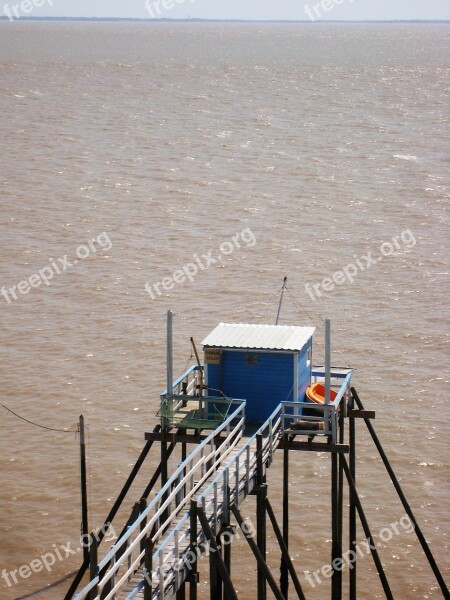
(258, 337)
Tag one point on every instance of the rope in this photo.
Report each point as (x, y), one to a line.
(35, 424)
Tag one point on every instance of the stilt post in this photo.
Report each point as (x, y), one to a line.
(367, 533)
(352, 506)
(285, 552)
(148, 565)
(261, 493)
(193, 580)
(217, 557)
(258, 555)
(284, 576)
(335, 553)
(84, 502)
(93, 567)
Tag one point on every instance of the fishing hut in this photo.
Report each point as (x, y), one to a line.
(255, 394)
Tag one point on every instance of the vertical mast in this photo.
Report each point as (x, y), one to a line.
(169, 395)
(327, 361)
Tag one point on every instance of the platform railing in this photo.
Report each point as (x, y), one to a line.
(126, 555)
(293, 413)
(186, 383)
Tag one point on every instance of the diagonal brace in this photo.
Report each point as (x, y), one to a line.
(259, 557)
(284, 549)
(230, 591)
(367, 533)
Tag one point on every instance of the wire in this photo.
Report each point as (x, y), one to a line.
(36, 424)
(299, 306)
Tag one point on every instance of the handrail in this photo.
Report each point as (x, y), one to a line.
(272, 424)
(237, 473)
(187, 464)
(171, 480)
(128, 552)
(183, 377)
(242, 450)
(344, 386)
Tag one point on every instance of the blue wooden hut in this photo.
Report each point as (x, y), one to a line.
(263, 364)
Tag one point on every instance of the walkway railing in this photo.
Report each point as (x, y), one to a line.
(127, 554)
(306, 417)
(234, 481)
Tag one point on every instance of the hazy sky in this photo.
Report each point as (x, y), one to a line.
(242, 9)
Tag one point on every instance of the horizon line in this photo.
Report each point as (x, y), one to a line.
(206, 20)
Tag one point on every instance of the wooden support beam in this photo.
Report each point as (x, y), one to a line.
(213, 580)
(352, 506)
(361, 414)
(181, 593)
(313, 446)
(335, 554)
(367, 533)
(93, 566)
(84, 490)
(220, 585)
(284, 567)
(112, 513)
(142, 507)
(261, 493)
(193, 579)
(257, 553)
(189, 438)
(217, 557)
(226, 527)
(406, 506)
(340, 510)
(285, 551)
(148, 568)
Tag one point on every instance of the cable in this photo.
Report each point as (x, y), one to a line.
(299, 306)
(36, 424)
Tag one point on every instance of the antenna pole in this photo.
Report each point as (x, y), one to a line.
(281, 300)
(327, 361)
(169, 354)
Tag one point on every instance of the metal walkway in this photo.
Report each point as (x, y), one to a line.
(224, 461)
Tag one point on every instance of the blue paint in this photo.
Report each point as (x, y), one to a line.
(262, 377)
